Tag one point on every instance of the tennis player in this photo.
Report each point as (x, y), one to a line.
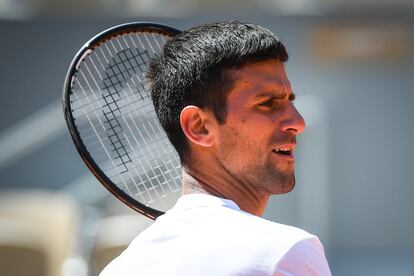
(222, 95)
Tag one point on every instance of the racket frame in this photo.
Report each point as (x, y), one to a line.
(70, 121)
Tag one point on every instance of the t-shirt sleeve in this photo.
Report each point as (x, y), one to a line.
(306, 257)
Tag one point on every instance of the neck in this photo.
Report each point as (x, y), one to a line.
(249, 200)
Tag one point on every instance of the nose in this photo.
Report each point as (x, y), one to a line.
(294, 121)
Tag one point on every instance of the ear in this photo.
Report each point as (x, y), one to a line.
(196, 125)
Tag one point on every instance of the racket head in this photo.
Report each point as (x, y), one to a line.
(112, 120)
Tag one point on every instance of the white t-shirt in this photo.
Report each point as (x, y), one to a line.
(207, 235)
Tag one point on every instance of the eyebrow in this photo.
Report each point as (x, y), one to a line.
(276, 95)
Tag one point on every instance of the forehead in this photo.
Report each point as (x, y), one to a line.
(253, 79)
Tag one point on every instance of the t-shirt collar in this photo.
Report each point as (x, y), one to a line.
(189, 201)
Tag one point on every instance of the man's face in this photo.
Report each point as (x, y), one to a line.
(256, 143)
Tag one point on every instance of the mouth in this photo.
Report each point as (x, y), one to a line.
(285, 151)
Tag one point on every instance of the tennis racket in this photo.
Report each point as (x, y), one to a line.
(112, 120)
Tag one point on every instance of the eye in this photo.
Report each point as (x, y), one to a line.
(268, 103)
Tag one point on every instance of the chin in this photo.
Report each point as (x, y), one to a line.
(289, 188)
(283, 187)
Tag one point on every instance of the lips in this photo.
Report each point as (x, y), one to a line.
(285, 151)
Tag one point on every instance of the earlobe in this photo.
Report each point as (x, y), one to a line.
(196, 126)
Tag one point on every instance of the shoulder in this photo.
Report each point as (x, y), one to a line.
(272, 233)
(305, 257)
(288, 250)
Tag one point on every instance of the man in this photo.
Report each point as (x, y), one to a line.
(223, 97)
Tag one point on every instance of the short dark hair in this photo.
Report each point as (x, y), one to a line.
(191, 70)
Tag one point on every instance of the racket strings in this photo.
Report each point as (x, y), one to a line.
(150, 175)
(123, 66)
(117, 121)
(147, 181)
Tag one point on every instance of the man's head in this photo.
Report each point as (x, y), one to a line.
(194, 69)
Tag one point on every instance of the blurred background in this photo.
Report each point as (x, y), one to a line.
(351, 65)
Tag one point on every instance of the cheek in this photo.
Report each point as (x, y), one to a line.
(243, 142)
(228, 137)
